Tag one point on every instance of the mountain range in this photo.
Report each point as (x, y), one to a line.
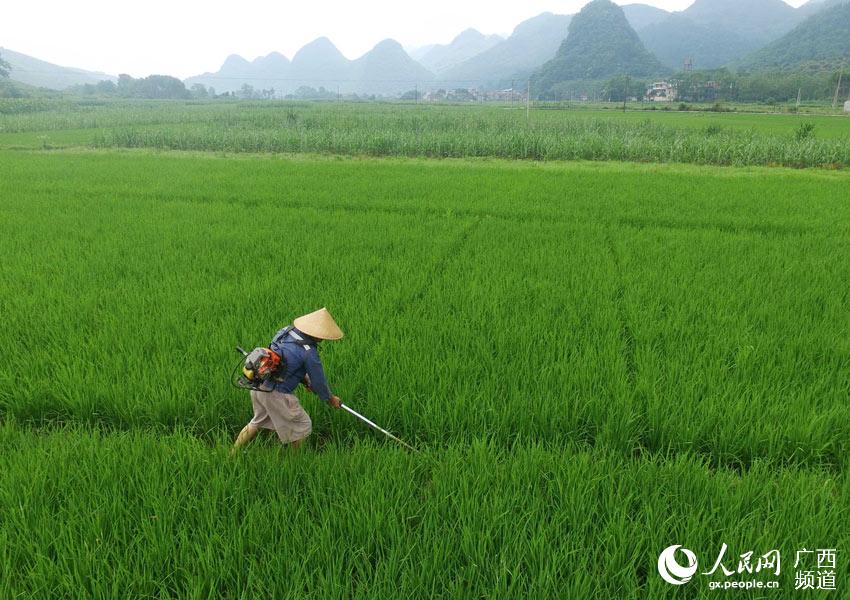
(708, 34)
(472, 59)
(385, 69)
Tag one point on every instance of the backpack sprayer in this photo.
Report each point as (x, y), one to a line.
(262, 367)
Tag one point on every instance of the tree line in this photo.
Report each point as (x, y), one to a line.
(768, 87)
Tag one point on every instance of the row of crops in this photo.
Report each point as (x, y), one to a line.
(442, 132)
(88, 513)
(584, 317)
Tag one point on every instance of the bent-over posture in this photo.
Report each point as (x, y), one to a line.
(278, 408)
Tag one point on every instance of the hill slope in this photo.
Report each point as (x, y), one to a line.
(39, 73)
(532, 43)
(822, 40)
(441, 57)
(386, 69)
(813, 6)
(643, 15)
(719, 32)
(318, 63)
(600, 44)
(677, 38)
(760, 21)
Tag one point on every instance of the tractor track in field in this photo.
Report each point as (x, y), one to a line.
(404, 302)
(765, 229)
(762, 229)
(418, 212)
(626, 334)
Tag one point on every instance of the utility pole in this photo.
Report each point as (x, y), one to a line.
(799, 96)
(416, 92)
(837, 88)
(626, 92)
(512, 92)
(528, 103)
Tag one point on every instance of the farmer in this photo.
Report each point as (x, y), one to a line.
(278, 408)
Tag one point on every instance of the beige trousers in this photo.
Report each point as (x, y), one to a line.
(281, 412)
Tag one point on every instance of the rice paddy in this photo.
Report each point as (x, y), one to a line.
(597, 360)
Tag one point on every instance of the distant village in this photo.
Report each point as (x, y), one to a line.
(657, 91)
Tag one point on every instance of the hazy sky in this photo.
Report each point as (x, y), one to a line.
(187, 37)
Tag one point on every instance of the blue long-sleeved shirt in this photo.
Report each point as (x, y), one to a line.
(302, 357)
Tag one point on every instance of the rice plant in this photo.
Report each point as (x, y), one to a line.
(644, 308)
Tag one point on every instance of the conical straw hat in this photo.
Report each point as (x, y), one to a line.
(320, 325)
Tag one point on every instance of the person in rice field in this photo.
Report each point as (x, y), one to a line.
(278, 408)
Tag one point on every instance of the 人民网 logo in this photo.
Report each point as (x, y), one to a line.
(670, 569)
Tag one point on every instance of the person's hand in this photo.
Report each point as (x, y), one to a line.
(335, 401)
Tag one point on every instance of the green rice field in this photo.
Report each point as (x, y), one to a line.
(596, 359)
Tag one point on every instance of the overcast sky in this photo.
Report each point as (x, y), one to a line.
(188, 37)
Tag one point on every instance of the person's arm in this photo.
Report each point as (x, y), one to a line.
(318, 382)
(306, 383)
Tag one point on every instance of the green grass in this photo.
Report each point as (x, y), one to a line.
(436, 131)
(597, 360)
(133, 515)
(50, 139)
(768, 123)
(577, 296)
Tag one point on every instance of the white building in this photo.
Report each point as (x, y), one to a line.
(847, 106)
(661, 91)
